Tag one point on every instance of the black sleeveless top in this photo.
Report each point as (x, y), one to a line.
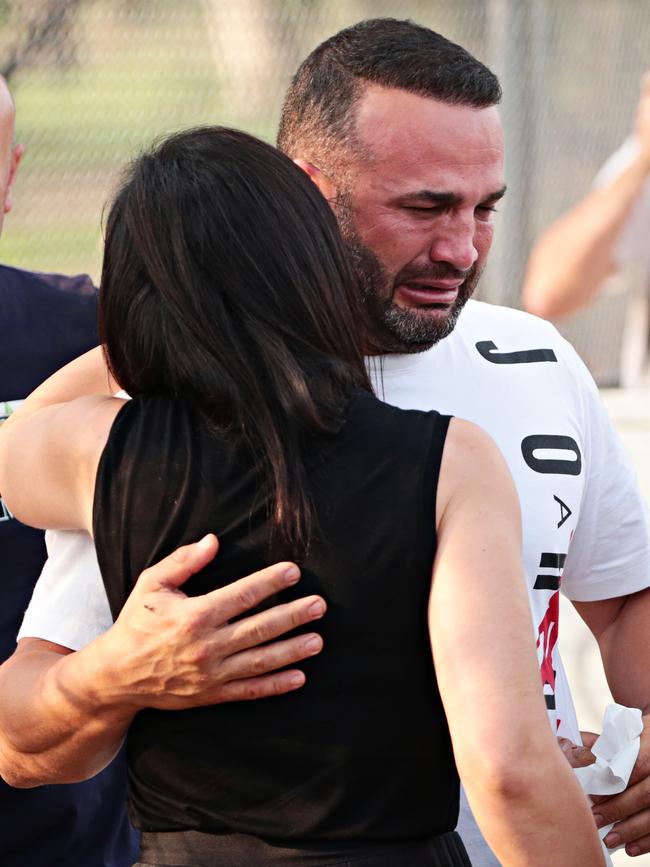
(362, 751)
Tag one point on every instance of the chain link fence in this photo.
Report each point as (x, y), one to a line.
(96, 80)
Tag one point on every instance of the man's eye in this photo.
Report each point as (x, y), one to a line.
(421, 209)
(487, 209)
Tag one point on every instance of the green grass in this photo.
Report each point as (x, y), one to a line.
(71, 249)
(138, 77)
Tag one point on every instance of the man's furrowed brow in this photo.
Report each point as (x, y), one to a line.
(432, 197)
(493, 198)
(443, 198)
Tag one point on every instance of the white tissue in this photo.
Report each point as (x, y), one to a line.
(616, 751)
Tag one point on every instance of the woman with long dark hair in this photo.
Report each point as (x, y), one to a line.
(229, 314)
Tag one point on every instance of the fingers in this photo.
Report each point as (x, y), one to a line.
(249, 592)
(638, 847)
(589, 739)
(262, 687)
(261, 660)
(577, 756)
(601, 799)
(629, 809)
(634, 833)
(180, 565)
(267, 625)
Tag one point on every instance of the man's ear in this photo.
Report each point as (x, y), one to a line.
(16, 156)
(324, 184)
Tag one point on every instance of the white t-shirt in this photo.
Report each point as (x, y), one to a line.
(633, 245)
(584, 521)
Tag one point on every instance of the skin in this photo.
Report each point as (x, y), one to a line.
(422, 200)
(577, 253)
(621, 629)
(87, 700)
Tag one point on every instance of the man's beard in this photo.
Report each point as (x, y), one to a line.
(394, 328)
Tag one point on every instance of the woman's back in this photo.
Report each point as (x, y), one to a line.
(363, 751)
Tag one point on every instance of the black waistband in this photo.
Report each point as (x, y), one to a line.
(196, 849)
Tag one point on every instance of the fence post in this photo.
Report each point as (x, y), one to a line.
(515, 52)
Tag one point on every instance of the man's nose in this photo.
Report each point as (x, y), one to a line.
(455, 246)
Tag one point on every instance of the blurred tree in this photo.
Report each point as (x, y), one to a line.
(257, 45)
(37, 32)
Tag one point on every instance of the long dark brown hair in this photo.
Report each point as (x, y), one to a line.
(225, 281)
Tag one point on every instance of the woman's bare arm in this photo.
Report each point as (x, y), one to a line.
(46, 476)
(482, 641)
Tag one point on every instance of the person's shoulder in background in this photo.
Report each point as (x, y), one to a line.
(46, 320)
(20, 279)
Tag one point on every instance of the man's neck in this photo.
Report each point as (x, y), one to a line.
(394, 347)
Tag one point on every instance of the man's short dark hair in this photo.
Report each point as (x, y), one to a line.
(317, 115)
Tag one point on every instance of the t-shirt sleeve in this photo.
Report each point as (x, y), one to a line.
(69, 604)
(632, 247)
(609, 554)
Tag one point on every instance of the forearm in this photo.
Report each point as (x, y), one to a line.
(63, 715)
(505, 751)
(60, 717)
(31, 449)
(83, 376)
(537, 816)
(574, 256)
(625, 652)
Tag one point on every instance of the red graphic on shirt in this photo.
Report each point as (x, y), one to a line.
(547, 634)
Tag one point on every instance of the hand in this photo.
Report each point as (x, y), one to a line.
(642, 123)
(169, 651)
(577, 756)
(631, 808)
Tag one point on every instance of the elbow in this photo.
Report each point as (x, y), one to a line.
(539, 306)
(16, 772)
(510, 785)
(19, 781)
(538, 300)
(509, 776)
(547, 307)
(19, 769)
(552, 295)
(548, 292)
(25, 771)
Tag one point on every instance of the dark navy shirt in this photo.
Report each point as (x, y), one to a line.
(47, 320)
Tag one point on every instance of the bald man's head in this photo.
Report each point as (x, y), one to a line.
(10, 153)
